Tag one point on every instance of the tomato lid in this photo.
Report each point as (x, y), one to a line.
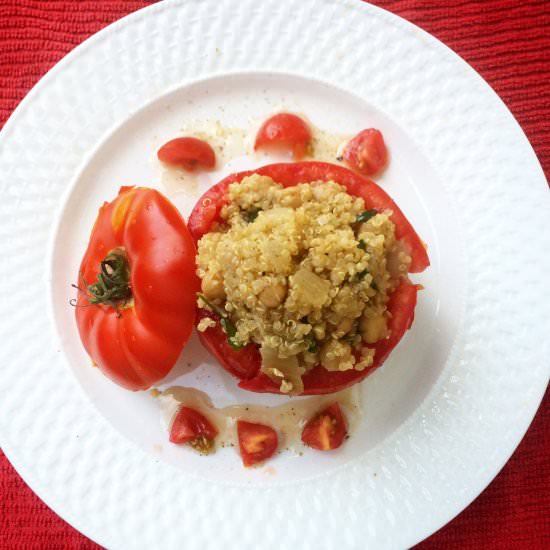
(137, 302)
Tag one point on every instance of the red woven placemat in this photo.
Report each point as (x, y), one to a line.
(507, 42)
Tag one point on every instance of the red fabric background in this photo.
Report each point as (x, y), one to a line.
(506, 41)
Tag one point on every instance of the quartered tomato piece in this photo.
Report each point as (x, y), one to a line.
(245, 363)
(192, 427)
(188, 153)
(326, 430)
(366, 152)
(257, 442)
(284, 131)
(136, 305)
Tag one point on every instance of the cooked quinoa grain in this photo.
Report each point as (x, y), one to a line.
(297, 274)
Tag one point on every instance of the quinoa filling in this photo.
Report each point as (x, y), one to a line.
(305, 272)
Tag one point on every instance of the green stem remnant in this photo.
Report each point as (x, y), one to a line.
(113, 281)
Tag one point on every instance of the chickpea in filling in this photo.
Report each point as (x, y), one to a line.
(304, 272)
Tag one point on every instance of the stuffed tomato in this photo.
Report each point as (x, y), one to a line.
(304, 276)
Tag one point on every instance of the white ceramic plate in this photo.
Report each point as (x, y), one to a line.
(443, 414)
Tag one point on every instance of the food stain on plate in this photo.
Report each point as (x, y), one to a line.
(176, 180)
(288, 419)
(156, 448)
(327, 146)
(231, 142)
(227, 142)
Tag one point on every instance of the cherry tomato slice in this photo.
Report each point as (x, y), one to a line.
(326, 430)
(284, 131)
(257, 442)
(188, 153)
(366, 152)
(190, 426)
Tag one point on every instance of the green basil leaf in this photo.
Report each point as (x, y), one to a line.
(366, 216)
(251, 215)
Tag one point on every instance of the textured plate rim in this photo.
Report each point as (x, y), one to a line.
(11, 453)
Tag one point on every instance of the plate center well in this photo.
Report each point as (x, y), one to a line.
(240, 102)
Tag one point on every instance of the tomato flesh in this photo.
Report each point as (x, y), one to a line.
(190, 426)
(326, 430)
(241, 363)
(257, 442)
(188, 153)
(246, 363)
(284, 131)
(367, 152)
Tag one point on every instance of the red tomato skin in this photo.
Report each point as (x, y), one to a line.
(208, 208)
(326, 430)
(241, 363)
(285, 131)
(401, 304)
(367, 152)
(247, 432)
(189, 424)
(187, 153)
(137, 346)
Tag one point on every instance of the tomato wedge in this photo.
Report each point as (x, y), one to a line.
(367, 152)
(326, 430)
(188, 153)
(284, 131)
(192, 427)
(257, 442)
(136, 305)
(245, 364)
